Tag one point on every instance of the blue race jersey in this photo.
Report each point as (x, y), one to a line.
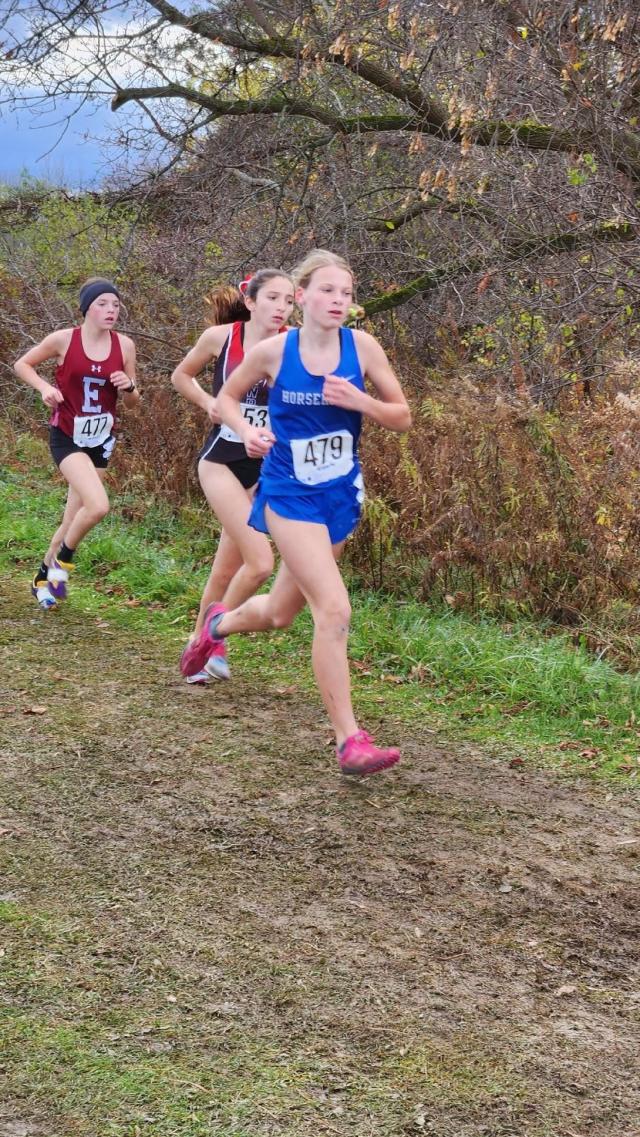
(316, 444)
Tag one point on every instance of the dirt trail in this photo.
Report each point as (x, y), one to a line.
(453, 946)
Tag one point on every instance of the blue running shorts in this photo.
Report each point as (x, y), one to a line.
(339, 508)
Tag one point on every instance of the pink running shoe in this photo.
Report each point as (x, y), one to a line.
(359, 755)
(202, 646)
(217, 666)
(200, 677)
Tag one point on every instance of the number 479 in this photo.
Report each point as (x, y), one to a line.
(320, 450)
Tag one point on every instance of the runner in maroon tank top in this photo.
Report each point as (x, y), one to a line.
(95, 366)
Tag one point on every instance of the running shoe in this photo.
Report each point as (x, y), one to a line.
(217, 665)
(201, 647)
(40, 590)
(359, 756)
(200, 677)
(58, 577)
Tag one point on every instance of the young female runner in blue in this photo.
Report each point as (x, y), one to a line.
(96, 365)
(310, 492)
(243, 317)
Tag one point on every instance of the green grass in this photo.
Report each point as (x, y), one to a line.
(134, 1069)
(521, 689)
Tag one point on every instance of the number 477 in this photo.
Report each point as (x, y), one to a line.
(94, 426)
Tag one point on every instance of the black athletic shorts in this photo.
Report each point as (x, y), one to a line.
(61, 445)
(246, 470)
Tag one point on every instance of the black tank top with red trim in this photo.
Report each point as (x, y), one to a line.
(223, 444)
(89, 409)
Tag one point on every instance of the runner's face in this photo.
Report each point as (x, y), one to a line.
(273, 303)
(327, 297)
(104, 310)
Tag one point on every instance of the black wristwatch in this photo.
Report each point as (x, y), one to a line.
(132, 388)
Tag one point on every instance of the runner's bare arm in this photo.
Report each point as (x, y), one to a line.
(123, 379)
(390, 409)
(53, 346)
(207, 348)
(262, 362)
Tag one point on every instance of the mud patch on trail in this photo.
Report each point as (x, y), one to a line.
(451, 948)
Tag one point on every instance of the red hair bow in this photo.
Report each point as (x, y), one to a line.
(243, 283)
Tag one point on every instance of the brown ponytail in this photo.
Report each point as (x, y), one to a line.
(226, 303)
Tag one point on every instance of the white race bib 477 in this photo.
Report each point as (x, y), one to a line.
(257, 416)
(323, 457)
(92, 430)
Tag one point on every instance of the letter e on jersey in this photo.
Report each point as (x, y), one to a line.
(91, 403)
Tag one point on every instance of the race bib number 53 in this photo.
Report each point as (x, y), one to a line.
(257, 416)
(92, 430)
(323, 457)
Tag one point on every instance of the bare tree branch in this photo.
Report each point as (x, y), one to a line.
(534, 245)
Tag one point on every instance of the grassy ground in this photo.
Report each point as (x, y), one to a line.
(205, 933)
(516, 688)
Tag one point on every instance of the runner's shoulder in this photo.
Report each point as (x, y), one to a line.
(360, 337)
(273, 347)
(214, 338)
(126, 343)
(369, 349)
(61, 338)
(56, 344)
(269, 353)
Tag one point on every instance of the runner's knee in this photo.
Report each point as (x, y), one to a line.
(334, 614)
(97, 510)
(260, 567)
(281, 617)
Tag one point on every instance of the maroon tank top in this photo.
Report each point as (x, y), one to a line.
(88, 412)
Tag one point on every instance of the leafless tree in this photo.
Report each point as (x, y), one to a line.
(478, 159)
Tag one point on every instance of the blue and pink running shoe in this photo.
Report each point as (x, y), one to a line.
(359, 756)
(206, 651)
(217, 666)
(201, 678)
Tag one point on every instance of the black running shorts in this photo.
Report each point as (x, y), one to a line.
(246, 470)
(61, 445)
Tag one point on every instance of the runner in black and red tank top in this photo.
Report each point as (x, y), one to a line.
(223, 445)
(243, 317)
(95, 366)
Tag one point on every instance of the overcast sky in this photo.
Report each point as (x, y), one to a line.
(41, 143)
(33, 144)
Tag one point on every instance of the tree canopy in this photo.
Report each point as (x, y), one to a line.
(476, 159)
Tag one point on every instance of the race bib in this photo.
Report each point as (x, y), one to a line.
(322, 458)
(257, 416)
(92, 430)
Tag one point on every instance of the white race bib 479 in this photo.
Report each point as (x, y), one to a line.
(323, 457)
(257, 416)
(92, 430)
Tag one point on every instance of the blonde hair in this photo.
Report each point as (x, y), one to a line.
(318, 258)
